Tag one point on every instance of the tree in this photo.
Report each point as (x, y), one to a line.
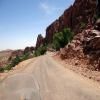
(68, 35)
(40, 50)
(61, 39)
(15, 61)
(58, 40)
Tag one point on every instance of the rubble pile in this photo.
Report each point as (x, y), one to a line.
(85, 47)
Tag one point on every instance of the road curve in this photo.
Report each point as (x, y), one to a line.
(46, 79)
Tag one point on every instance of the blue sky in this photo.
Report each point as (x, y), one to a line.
(22, 20)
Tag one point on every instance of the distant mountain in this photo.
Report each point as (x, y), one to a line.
(5, 51)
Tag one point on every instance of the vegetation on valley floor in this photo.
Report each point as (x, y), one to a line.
(15, 61)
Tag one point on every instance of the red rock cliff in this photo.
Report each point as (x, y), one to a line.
(82, 11)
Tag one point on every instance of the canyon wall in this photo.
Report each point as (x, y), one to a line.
(81, 12)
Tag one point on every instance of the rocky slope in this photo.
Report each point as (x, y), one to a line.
(85, 48)
(8, 55)
(4, 56)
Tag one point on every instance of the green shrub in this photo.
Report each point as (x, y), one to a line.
(25, 56)
(82, 25)
(68, 35)
(96, 16)
(40, 51)
(1, 69)
(60, 39)
(8, 67)
(15, 61)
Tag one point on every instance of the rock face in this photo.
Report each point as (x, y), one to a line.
(91, 47)
(81, 12)
(40, 41)
(98, 8)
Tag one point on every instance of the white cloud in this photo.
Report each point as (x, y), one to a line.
(45, 7)
(48, 9)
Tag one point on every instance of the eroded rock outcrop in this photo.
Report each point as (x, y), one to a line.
(29, 50)
(40, 41)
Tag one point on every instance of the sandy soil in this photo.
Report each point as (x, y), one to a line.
(17, 69)
(80, 68)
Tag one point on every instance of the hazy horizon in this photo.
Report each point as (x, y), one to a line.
(22, 20)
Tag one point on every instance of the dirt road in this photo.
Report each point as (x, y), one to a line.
(46, 79)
